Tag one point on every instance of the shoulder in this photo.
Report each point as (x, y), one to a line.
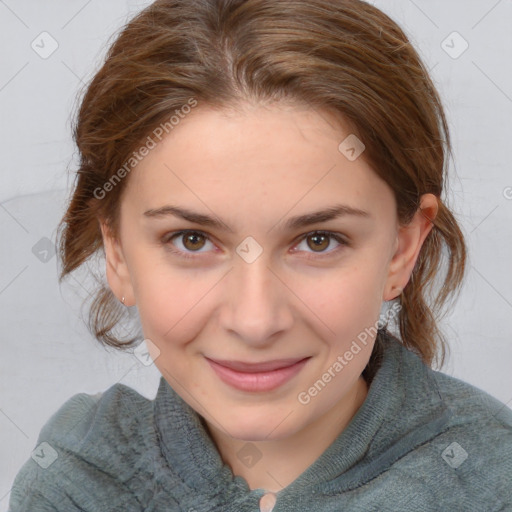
(473, 406)
(88, 440)
(112, 421)
(476, 447)
(460, 438)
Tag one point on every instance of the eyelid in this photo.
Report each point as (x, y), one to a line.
(338, 237)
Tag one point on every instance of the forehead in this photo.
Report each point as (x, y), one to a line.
(276, 135)
(260, 157)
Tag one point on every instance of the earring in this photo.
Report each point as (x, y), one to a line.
(122, 300)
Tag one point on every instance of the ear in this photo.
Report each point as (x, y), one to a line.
(118, 275)
(410, 239)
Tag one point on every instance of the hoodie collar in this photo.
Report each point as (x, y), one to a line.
(402, 410)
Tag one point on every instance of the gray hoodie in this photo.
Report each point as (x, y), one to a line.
(421, 441)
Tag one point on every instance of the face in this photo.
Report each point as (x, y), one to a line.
(250, 285)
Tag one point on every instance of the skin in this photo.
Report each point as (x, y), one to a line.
(231, 165)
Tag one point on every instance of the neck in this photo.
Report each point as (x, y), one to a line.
(286, 459)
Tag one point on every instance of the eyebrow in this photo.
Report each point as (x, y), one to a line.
(292, 223)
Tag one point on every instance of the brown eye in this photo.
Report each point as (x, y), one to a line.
(320, 241)
(192, 241)
(186, 243)
(320, 244)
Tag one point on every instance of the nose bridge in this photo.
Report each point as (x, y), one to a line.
(258, 305)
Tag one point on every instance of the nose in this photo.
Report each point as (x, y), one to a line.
(257, 306)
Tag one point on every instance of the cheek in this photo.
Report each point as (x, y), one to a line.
(344, 301)
(168, 300)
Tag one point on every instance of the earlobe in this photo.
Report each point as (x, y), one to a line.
(410, 239)
(117, 272)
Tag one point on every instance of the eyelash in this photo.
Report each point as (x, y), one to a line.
(166, 239)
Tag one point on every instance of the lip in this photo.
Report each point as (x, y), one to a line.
(264, 376)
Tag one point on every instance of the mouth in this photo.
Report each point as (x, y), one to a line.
(254, 377)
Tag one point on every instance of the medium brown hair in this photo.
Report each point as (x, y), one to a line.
(342, 56)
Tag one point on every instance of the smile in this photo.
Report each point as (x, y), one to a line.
(257, 377)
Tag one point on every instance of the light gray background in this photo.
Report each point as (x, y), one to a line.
(47, 355)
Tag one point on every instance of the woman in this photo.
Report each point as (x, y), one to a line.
(265, 178)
